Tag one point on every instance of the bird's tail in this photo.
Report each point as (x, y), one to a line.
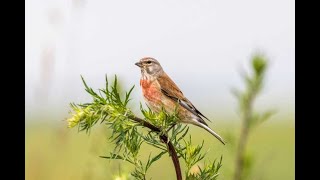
(210, 131)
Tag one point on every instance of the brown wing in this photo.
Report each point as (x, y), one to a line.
(171, 90)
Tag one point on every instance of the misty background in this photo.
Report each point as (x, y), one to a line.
(202, 45)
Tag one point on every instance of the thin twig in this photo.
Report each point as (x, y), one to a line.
(165, 140)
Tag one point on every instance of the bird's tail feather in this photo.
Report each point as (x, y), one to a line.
(210, 131)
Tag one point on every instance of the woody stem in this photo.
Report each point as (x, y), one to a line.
(165, 140)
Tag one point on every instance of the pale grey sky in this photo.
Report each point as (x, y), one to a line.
(201, 44)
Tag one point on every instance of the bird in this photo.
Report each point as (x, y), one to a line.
(159, 91)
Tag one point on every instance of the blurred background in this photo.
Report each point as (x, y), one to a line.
(203, 45)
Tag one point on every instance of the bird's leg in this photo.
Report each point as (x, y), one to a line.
(171, 127)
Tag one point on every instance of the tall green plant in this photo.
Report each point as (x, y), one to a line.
(128, 133)
(250, 119)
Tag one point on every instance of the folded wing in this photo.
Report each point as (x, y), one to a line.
(171, 90)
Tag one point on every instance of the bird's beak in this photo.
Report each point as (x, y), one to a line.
(138, 64)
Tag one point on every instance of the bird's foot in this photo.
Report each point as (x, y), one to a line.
(171, 127)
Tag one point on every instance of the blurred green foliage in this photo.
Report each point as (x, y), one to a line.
(55, 152)
(254, 83)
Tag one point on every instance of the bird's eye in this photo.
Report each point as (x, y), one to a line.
(148, 62)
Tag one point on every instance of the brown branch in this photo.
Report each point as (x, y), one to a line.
(165, 140)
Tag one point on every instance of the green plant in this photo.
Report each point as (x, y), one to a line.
(250, 119)
(129, 133)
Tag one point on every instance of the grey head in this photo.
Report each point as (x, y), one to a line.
(149, 66)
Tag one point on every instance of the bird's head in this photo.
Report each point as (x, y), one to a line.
(149, 66)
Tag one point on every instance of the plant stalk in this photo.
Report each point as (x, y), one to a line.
(243, 138)
(165, 140)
